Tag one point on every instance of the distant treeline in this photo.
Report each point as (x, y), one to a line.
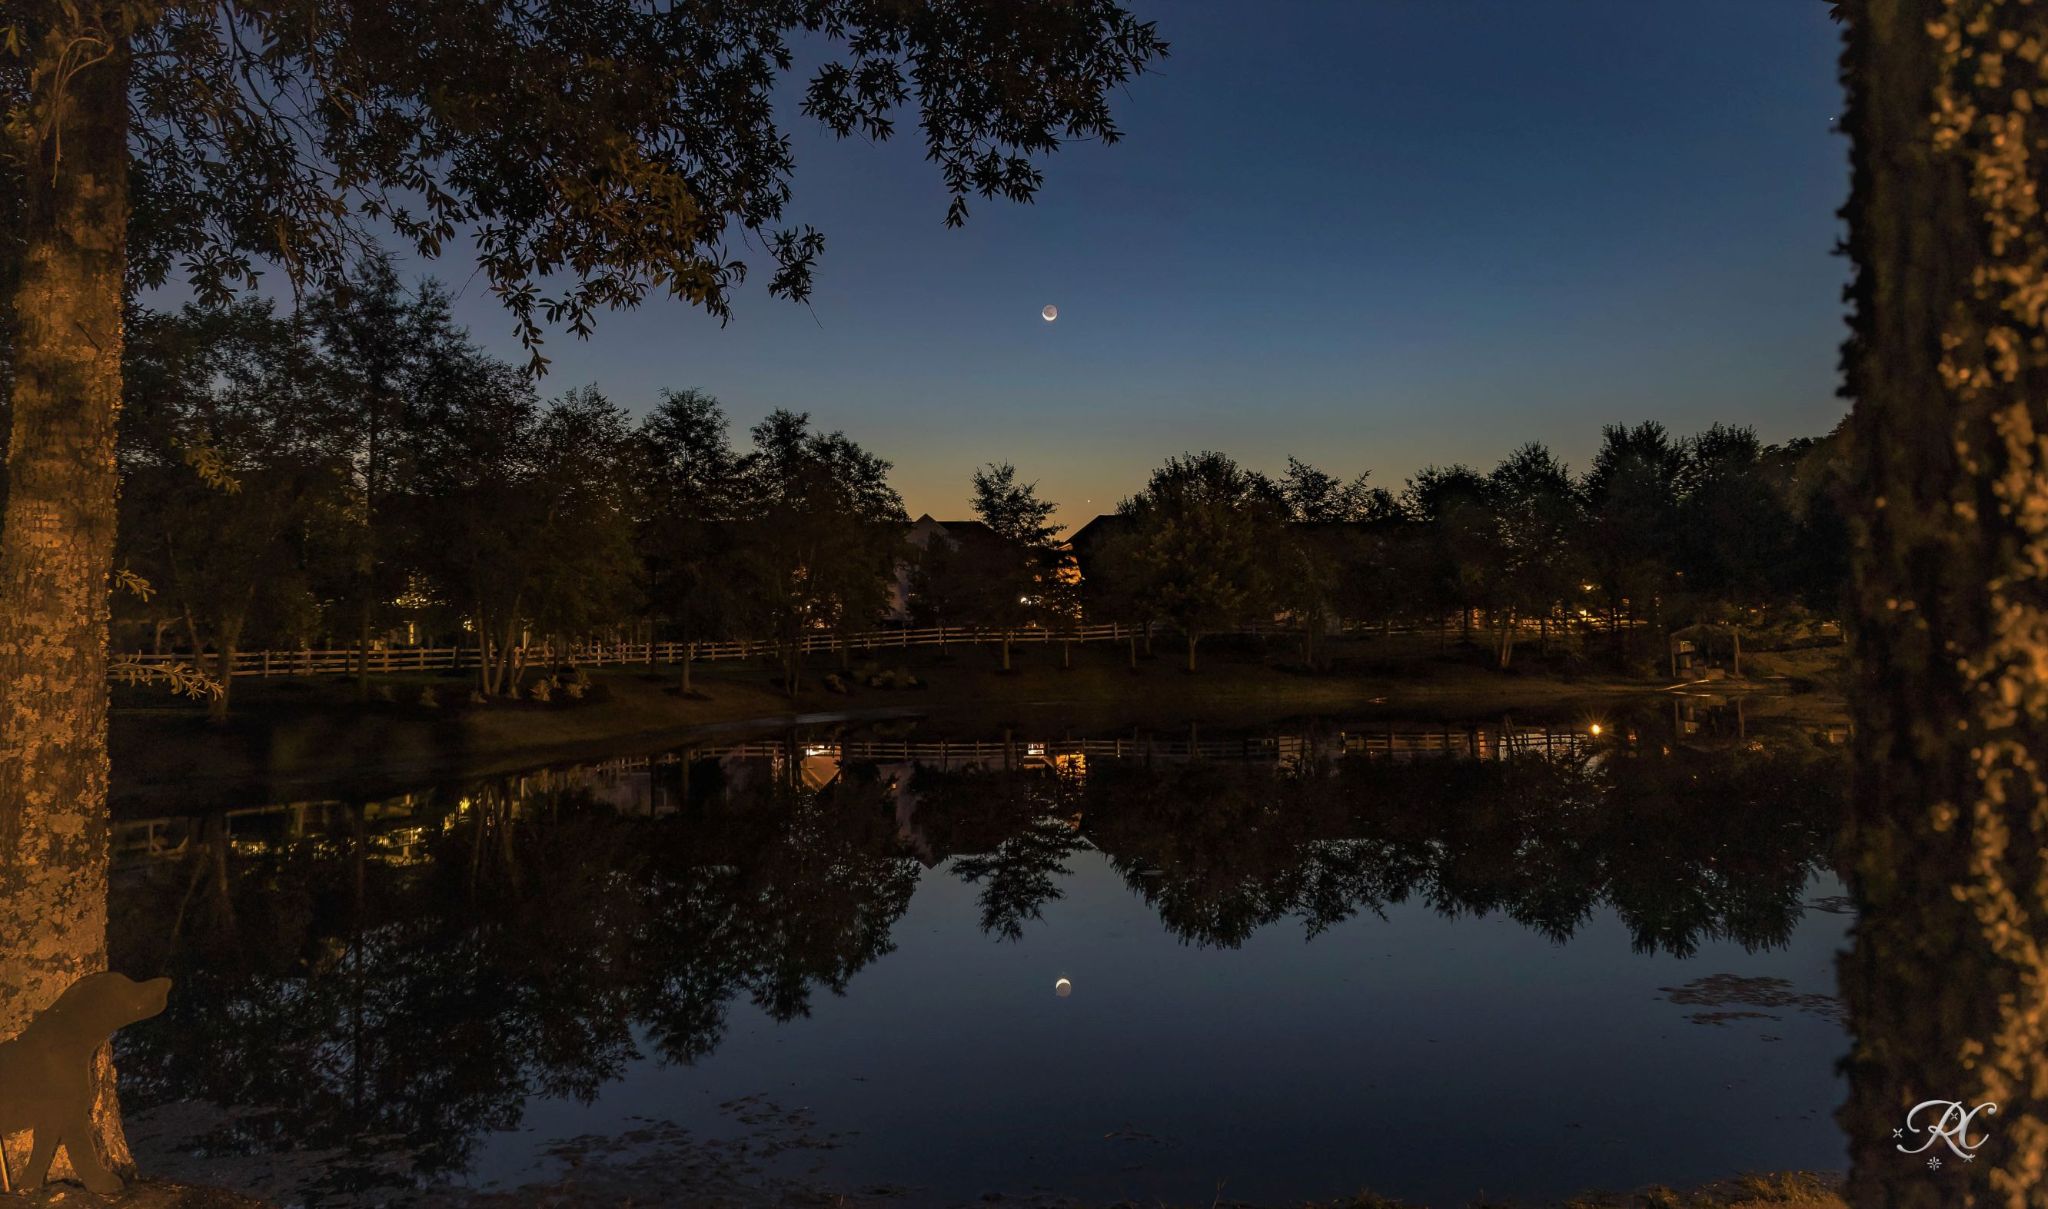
(361, 469)
(1661, 531)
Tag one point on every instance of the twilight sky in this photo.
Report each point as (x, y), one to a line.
(1369, 233)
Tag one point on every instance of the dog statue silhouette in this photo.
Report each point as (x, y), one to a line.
(46, 1074)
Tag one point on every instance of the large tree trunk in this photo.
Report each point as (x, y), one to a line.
(1947, 980)
(57, 541)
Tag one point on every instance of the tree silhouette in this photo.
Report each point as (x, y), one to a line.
(1460, 544)
(1632, 501)
(229, 469)
(1540, 526)
(381, 341)
(1198, 544)
(689, 502)
(1005, 583)
(822, 536)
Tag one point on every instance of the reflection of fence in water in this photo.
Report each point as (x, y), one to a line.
(395, 829)
(1485, 743)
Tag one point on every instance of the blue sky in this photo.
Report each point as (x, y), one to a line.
(1371, 233)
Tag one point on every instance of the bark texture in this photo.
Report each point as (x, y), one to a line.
(1947, 981)
(57, 540)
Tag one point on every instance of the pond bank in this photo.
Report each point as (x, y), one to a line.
(1772, 1190)
(1796, 1190)
(318, 737)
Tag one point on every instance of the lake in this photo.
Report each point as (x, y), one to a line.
(918, 967)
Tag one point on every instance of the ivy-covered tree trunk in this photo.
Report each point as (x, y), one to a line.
(57, 540)
(1947, 981)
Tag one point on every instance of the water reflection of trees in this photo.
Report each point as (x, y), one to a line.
(534, 945)
(338, 1001)
(1684, 847)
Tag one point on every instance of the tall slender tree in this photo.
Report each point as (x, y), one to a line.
(380, 340)
(1540, 525)
(688, 518)
(1011, 575)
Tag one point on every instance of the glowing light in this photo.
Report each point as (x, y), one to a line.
(1063, 988)
(1051, 313)
(1596, 728)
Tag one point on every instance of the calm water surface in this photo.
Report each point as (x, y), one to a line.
(1431, 960)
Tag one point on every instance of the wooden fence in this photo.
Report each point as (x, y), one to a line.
(337, 661)
(346, 660)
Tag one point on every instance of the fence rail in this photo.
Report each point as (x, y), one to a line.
(347, 660)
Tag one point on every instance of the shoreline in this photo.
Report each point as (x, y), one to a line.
(313, 737)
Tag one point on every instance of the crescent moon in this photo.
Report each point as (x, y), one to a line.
(1051, 313)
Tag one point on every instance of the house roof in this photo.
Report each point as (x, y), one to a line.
(1095, 530)
(957, 533)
